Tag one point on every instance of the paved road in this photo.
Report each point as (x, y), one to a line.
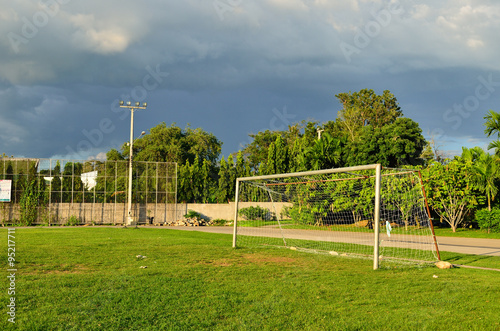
(446, 244)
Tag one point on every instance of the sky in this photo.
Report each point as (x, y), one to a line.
(237, 67)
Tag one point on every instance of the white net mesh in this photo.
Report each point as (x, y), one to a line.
(333, 212)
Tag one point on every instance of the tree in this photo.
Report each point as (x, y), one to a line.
(172, 144)
(29, 201)
(325, 153)
(258, 150)
(223, 194)
(493, 126)
(231, 184)
(353, 196)
(56, 184)
(271, 160)
(366, 108)
(72, 185)
(486, 175)
(114, 155)
(195, 151)
(202, 144)
(281, 155)
(435, 146)
(450, 190)
(427, 154)
(400, 193)
(209, 183)
(393, 145)
(185, 192)
(196, 181)
(241, 167)
(471, 155)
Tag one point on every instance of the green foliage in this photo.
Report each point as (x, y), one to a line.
(393, 145)
(488, 220)
(257, 152)
(299, 214)
(325, 153)
(366, 108)
(257, 213)
(173, 144)
(450, 190)
(493, 127)
(400, 193)
(220, 222)
(29, 202)
(72, 221)
(192, 214)
(114, 155)
(226, 187)
(486, 174)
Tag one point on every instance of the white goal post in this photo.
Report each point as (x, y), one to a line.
(364, 211)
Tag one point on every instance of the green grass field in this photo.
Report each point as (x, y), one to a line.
(90, 279)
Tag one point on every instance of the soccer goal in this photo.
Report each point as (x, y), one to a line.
(363, 211)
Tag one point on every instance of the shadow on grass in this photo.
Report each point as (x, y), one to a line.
(472, 260)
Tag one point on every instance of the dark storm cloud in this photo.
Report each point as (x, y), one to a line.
(237, 67)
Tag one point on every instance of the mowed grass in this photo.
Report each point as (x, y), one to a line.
(413, 230)
(90, 279)
(466, 233)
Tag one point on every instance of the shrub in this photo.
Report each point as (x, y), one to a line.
(29, 203)
(72, 221)
(192, 214)
(256, 213)
(489, 220)
(220, 221)
(300, 215)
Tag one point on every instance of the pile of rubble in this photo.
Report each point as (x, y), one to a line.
(190, 222)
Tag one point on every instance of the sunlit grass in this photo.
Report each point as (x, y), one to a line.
(90, 279)
(413, 230)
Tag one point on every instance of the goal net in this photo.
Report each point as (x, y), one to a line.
(364, 211)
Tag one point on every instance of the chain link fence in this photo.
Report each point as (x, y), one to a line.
(72, 192)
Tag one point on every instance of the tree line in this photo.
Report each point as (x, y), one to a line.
(369, 128)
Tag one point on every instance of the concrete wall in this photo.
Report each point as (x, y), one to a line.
(115, 213)
(226, 210)
(98, 213)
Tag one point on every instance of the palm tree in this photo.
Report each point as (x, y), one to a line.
(493, 126)
(486, 174)
(325, 153)
(471, 155)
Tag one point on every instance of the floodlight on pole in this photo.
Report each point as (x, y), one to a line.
(137, 105)
(319, 133)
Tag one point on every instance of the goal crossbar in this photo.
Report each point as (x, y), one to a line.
(308, 173)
